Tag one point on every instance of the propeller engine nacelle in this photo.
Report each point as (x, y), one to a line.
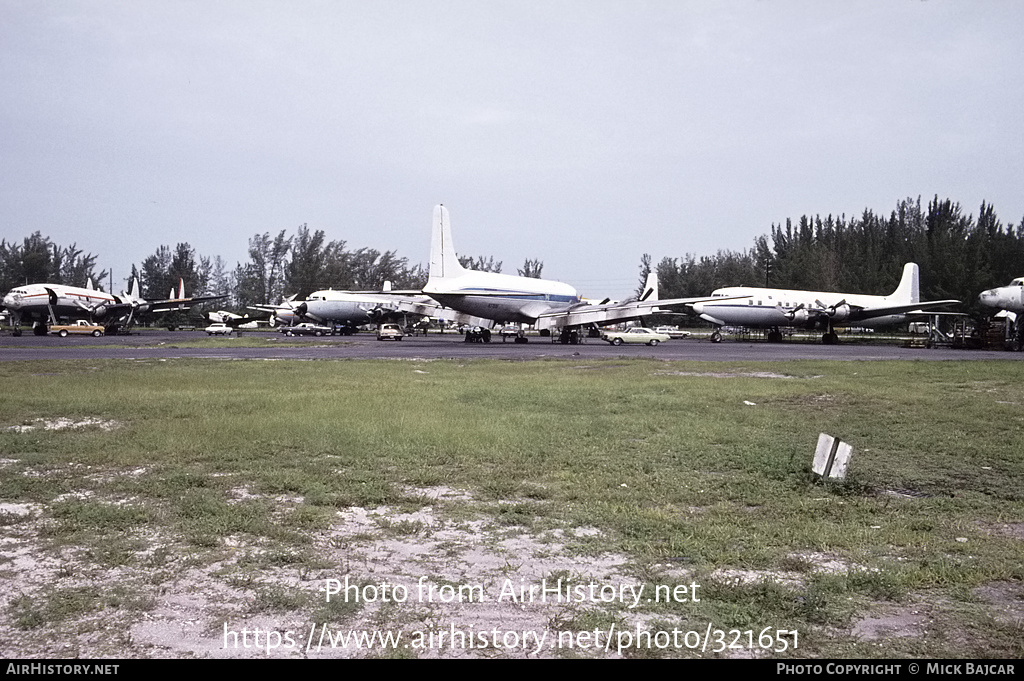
(377, 313)
(840, 312)
(798, 315)
(801, 317)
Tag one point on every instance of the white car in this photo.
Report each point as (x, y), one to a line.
(637, 334)
(672, 332)
(392, 331)
(218, 329)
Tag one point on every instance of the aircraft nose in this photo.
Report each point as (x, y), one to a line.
(988, 297)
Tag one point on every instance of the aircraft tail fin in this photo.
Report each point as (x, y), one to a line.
(132, 294)
(444, 262)
(909, 289)
(650, 287)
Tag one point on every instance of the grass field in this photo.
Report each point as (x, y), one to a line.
(152, 508)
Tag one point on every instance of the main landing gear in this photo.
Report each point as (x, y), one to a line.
(478, 335)
(570, 336)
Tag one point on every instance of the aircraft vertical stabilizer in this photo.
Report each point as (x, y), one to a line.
(909, 290)
(444, 262)
(650, 287)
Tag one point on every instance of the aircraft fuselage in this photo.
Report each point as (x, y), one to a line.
(32, 302)
(1005, 297)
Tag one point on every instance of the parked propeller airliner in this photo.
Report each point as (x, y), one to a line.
(1010, 299)
(774, 308)
(42, 304)
(355, 308)
(551, 305)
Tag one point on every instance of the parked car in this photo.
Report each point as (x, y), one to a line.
(637, 334)
(80, 326)
(390, 332)
(672, 332)
(307, 329)
(218, 329)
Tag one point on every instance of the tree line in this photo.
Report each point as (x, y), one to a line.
(959, 255)
(38, 260)
(279, 265)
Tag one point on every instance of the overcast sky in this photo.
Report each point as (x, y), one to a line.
(582, 134)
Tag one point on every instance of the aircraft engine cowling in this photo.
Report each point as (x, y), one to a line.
(104, 310)
(377, 313)
(800, 317)
(840, 313)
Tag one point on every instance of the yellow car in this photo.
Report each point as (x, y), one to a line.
(637, 334)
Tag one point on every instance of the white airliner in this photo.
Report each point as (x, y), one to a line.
(355, 308)
(1010, 298)
(235, 321)
(551, 305)
(774, 308)
(42, 304)
(347, 308)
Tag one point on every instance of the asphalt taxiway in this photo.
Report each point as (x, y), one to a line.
(152, 344)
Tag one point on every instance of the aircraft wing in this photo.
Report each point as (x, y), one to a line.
(613, 313)
(857, 314)
(177, 303)
(266, 308)
(414, 302)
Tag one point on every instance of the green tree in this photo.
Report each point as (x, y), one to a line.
(480, 263)
(531, 268)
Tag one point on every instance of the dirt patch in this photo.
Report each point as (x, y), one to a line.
(803, 565)
(722, 374)
(1011, 530)
(66, 424)
(904, 621)
(1006, 600)
(439, 588)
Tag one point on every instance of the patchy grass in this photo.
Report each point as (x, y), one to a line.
(261, 480)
